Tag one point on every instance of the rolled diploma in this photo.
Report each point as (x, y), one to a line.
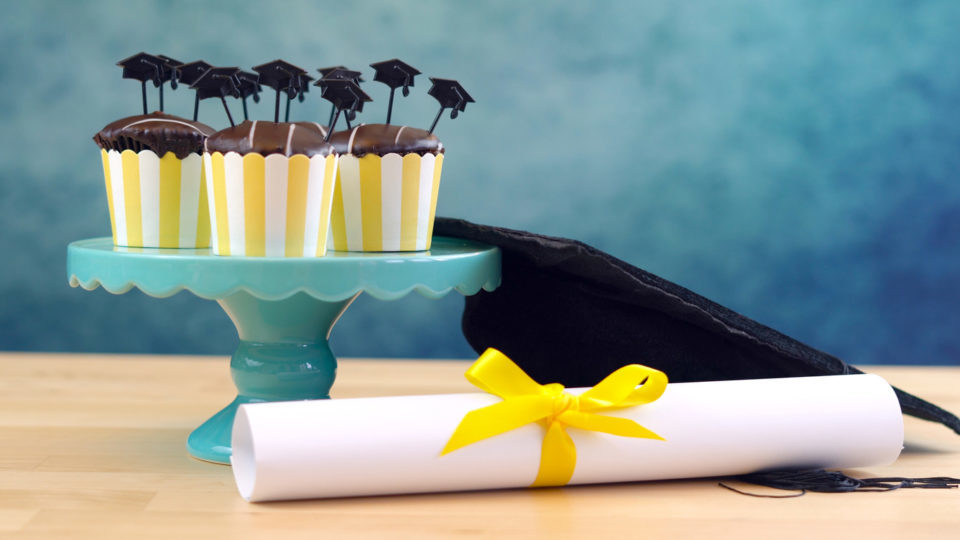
(388, 445)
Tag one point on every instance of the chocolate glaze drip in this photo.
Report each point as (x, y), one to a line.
(156, 131)
(287, 138)
(382, 139)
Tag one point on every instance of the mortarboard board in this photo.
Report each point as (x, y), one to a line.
(569, 313)
(451, 95)
(395, 74)
(219, 82)
(324, 72)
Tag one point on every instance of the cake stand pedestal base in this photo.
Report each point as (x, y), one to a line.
(283, 356)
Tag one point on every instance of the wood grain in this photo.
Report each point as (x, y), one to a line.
(92, 446)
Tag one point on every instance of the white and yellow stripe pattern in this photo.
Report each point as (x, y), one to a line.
(156, 202)
(273, 207)
(385, 203)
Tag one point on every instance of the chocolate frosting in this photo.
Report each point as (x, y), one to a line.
(287, 138)
(156, 131)
(383, 139)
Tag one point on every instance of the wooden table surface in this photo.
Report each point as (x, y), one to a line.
(92, 446)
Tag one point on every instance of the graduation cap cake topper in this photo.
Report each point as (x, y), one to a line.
(344, 94)
(249, 87)
(144, 67)
(282, 76)
(451, 95)
(337, 72)
(188, 74)
(219, 82)
(395, 74)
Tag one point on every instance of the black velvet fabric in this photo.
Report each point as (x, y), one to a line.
(569, 313)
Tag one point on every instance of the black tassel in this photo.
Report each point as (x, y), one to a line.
(822, 481)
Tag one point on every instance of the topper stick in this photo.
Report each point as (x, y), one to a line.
(143, 91)
(336, 116)
(434, 124)
(161, 97)
(347, 118)
(244, 100)
(276, 108)
(196, 106)
(332, 110)
(390, 105)
(286, 116)
(230, 118)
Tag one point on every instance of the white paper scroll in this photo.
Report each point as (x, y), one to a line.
(378, 446)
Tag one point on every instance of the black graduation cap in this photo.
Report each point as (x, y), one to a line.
(249, 87)
(395, 74)
(282, 76)
(337, 73)
(143, 67)
(345, 95)
(569, 313)
(188, 74)
(451, 95)
(219, 82)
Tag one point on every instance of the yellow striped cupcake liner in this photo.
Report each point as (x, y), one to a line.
(270, 207)
(385, 203)
(156, 202)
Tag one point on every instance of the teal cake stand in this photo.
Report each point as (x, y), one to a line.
(283, 308)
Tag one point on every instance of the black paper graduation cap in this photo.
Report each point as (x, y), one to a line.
(345, 95)
(451, 95)
(337, 73)
(219, 82)
(144, 67)
(249, 87)
(283, 77)
(188, 74)
(395, 74)
(569, 313)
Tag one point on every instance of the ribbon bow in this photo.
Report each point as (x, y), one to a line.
(525, 401)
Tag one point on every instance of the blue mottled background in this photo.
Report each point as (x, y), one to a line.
(797, 161)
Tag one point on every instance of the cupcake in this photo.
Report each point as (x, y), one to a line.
(386, 193)
(154, 179)
(271, 188)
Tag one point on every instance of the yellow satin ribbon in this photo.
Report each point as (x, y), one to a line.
(525, 401)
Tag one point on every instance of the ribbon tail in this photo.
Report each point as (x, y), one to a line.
(558, 458)
(498, 418)
(614, 425)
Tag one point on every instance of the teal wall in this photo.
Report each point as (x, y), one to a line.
(794, 160)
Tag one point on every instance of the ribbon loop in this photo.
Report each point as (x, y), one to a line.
(525, 402)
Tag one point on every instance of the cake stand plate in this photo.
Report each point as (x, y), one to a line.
(283, 308)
